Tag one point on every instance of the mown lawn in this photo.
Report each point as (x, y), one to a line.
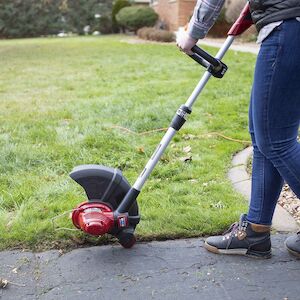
(60, 103)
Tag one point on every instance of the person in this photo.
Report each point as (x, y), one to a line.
(274, 117)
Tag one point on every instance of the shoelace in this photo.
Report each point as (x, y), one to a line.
(235, 228)
(231, 231)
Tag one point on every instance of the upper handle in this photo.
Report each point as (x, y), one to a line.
(214, 66)
(243, 22)
(206, 56)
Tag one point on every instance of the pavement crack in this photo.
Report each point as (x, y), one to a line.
(36, 271)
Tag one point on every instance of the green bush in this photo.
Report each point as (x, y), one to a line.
(118, 5)
(105, 25)
(135, 17)
(80, 13)
(149, 33)
(31, 18)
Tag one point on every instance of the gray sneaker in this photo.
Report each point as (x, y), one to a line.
(292, 243)
(242, 238)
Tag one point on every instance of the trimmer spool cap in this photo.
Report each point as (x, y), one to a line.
(93, 217)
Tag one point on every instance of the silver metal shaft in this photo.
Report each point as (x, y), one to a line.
(191, 100)
(171, 132)
(154, 158)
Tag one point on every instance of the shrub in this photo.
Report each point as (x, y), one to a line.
(153, 34)
(144, 32)
(118, 5)
(80, 13)
(135, 17)
(105, 25)
(30, 18)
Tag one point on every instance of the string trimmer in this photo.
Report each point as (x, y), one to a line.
(112, 207)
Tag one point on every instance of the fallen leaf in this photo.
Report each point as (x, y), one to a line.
(3, 283)
(141, 150)
(187, 149)
(188, 136)
(9, 224)
(218, 205)
(193, 180)
(186, 158)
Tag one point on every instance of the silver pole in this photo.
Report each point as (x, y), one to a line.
(154, 158)
(171, 131)
(198, 89)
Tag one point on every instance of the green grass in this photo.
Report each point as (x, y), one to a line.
(59, 101)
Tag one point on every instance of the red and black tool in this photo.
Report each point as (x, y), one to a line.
(111, 206)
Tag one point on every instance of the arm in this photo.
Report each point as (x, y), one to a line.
(205, 15)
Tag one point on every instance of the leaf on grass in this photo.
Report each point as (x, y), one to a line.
(189, 136)
(3, 283)
(9, 224)
(218, 205)
(140, 150)
(165, 159)
(186, 158)
(187, 149)
(193, 180)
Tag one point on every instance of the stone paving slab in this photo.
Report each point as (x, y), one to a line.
(180, 269)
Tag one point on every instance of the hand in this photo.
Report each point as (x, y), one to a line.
(185, 43)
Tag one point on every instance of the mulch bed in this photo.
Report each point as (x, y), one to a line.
(289, 201)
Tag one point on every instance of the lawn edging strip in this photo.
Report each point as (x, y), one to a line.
(241, 181)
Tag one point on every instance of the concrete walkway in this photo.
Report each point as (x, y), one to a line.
(236, 46)
(180, 269)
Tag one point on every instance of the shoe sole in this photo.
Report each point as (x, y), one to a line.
(240, 251)
(297, 254)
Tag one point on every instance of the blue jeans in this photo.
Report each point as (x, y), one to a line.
(274, 118)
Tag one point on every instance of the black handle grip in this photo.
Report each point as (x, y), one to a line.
(204, 55)
(199, 60)
(214, 66)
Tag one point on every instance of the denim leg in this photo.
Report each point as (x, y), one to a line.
(275, 116)
(266, 183)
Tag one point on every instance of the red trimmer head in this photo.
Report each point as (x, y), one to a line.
(93, 218)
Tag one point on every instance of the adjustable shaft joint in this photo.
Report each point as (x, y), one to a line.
(180, 117)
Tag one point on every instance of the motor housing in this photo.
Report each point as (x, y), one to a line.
(93, 218)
